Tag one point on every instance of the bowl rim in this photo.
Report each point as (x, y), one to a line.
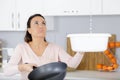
(89, 35)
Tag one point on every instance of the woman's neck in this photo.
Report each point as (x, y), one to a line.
(37, 43)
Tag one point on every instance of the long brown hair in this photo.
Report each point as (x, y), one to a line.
(28, 36)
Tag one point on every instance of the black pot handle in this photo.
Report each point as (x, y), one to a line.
(34, 67)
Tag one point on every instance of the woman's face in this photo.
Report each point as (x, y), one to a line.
(37, 27)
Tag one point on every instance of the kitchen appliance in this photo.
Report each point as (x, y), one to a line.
(50, 71)
(89, 42)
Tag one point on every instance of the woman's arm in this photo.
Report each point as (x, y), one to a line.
(12, 67)
(72, 62)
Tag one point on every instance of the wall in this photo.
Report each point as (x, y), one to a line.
(70, 24)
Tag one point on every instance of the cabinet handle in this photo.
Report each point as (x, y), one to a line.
(12, 20)
(18, 20)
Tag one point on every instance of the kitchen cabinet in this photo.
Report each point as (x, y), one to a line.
(7, 16)
(71, 7)
(26, 8)
(15, 13)
(95, 7)
(111, 7)
(66, 7)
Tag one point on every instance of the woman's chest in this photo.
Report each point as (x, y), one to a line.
(47, 57)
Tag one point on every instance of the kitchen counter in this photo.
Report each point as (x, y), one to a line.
(77, 75)
(92, 75)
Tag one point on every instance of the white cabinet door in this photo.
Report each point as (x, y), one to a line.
(111, 7)
(7, 15)
(96, 7)
(26, 8)
(80, 7)
(15, 13)
(66, 7)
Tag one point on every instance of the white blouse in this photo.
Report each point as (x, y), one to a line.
(52, 53)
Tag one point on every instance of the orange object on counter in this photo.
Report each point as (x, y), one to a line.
(111, 44)
(115, 66)
(117, 44)
(99, 66)
(111, 57)
(105, 68)
(113, 60)
(106, 52)
(110, 68)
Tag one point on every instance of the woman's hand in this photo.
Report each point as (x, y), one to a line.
(26, 67)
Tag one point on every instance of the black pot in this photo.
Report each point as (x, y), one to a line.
(51, 71)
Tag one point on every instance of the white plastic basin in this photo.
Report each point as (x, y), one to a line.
(89, 42)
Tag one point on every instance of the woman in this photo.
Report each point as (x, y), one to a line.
(36, 51)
